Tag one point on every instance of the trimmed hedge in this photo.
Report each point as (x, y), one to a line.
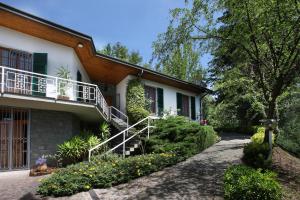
(258, 137)
(245, 183)
(103, 172)
(178, 135)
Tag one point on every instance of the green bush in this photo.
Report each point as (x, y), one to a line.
(136, 101)
(258, 137)
(245, 183)
(178, 135)
(289, 108)
(103, 172)
(289, 142)
(256, 155)
(76, 149)
(136, 114)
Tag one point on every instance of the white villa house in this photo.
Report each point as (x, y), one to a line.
(40, 109)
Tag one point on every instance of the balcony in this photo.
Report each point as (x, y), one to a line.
(39, 91)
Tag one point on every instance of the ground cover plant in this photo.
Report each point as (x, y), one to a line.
(245, 183)
(103, 172)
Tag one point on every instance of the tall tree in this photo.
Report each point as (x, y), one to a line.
(183, 63)
(265, 32)
(121, 52)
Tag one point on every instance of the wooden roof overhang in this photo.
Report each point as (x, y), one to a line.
(98, 66)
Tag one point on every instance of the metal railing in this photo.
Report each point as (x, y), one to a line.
(20, 82)
(116, 113)
(123, 133)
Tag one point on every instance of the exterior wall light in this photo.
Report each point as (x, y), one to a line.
(80, 45)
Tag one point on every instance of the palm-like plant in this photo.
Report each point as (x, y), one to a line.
(64, 73)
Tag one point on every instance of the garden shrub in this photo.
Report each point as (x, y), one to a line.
(76, 149)
(178, 135)
(103, 172)
(258, 137)
(245, 183)
(256, 155)
(290, 141)
(289, 108)
(136, 101)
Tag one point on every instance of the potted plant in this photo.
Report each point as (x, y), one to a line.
(63, 85)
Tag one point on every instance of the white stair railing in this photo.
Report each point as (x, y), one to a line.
(147, 127)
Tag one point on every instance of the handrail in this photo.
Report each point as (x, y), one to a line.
(124, 139)
(120, 112)
(46, 75)
(123, 114)
(98, 96)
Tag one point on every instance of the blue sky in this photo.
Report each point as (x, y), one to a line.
(134, 23)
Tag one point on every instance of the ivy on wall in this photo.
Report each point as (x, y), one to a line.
(136, 101)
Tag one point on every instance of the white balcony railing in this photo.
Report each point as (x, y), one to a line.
(20, 82)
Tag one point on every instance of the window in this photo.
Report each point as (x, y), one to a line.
(15, 59)
(150, 94)
(183, 105)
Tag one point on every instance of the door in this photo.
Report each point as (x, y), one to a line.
(14, 126)
(4, 144)
(185, 106)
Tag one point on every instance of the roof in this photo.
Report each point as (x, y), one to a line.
(98, 66)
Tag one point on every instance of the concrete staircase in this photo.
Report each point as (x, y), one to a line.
(129, 138)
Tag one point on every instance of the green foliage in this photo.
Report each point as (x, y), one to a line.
(290, 140)
(256, 155)
(258, 137)
(120, 51)
(103, 172)
(64, 73)
(104, 131)
(289, 108)
(244, 183)
(254, 61)
(135, 101)
(178, 135)
(184, 63)
(75, 149)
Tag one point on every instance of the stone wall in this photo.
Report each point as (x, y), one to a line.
(48, 129)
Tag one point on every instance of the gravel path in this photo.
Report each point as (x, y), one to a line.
(199, 177)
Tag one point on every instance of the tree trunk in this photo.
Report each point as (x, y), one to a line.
(271, 114)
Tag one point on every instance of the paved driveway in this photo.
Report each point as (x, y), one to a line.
(18, 185)
(199, 177)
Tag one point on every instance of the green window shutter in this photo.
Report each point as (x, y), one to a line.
(39, 66)
(193, 108)
(160, 101)
(179, 103)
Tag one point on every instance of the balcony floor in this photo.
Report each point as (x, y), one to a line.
(85, 111)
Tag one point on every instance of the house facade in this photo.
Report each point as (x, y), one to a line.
(54, 84)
